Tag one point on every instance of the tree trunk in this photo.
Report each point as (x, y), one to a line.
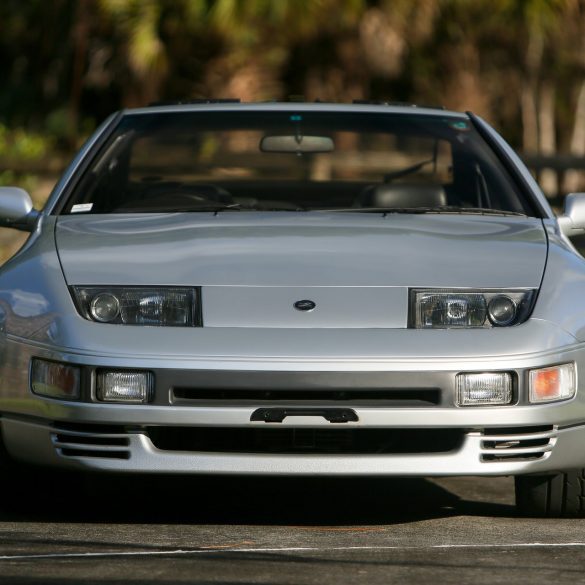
(528, 98)
(575, 180)
(529, 119)
(80, 35)
(547, 133)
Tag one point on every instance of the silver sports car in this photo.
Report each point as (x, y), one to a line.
(298, 289)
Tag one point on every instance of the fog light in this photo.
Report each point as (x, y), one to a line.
(54, 379)
(133, 387)
(486, 389)
(555, 383)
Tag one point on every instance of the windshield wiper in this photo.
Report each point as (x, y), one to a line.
(153, 207)
(215, 208)
(474, 210)
(407, 170)
(414, 210)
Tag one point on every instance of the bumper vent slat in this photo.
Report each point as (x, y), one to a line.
(512, 438)
(518, 451)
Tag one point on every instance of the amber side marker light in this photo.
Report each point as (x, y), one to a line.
(55, 380)
(554, 383)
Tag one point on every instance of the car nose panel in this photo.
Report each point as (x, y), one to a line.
(298, 307)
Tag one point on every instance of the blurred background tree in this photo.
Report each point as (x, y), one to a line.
(67, 64)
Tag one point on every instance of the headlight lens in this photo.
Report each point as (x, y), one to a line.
(161, 306)
(104, 307)
(460, 309)
(502, 310)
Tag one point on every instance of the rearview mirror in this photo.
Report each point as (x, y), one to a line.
(296, 144)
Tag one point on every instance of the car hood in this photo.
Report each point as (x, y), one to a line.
(303, 249)
(254, 268)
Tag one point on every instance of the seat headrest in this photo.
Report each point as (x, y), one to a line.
(403, 195)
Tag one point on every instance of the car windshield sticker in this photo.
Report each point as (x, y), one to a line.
(460, 125)
(81, 207)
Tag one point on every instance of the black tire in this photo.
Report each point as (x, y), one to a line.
(554, 496)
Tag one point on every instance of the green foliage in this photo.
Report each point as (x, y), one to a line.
(26, 181)
(18, 144)
(21, 148)
(138, 20)
(67, 64)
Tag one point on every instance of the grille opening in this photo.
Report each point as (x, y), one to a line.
(90, 428)
(503, 445)
(408, 398)
(504, 457)
(305, 440)
(68, 452)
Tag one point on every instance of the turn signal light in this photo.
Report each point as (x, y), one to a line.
(55, 380)
(555, 383)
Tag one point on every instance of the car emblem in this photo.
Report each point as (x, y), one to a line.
(304, 305)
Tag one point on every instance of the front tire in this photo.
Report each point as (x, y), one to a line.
(559, 495)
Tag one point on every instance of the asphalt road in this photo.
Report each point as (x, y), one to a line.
(62, 530)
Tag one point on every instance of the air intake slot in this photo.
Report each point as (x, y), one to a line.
(517, 444)
(305, 440)
(325, 397)
(96, 441)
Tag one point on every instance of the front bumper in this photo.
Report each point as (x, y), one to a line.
(422, 436)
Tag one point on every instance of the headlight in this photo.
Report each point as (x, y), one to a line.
(447, 309)
(160, 306)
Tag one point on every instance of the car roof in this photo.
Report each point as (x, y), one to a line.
(235, 105)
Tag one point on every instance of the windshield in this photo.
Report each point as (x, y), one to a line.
(295, 161)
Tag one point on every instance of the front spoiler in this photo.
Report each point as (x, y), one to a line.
(36, 442)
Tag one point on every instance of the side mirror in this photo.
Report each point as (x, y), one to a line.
(572, 222)
(16, 209)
